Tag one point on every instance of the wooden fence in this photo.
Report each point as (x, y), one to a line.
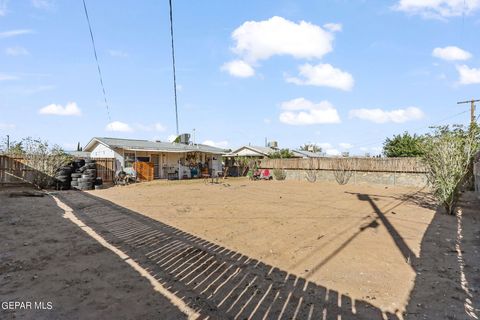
(144, 170)
(106, 169)
(14, 170)
(412, 165)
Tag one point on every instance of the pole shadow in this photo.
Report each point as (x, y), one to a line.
(216, 282)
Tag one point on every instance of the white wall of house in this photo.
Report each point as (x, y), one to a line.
(101, 151)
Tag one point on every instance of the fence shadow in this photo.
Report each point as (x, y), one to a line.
(215, 281)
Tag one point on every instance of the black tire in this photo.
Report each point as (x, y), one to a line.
(74, 183)
(98, 181)
(79, 163)
(76, 175)
(85, 185)
(82, 180)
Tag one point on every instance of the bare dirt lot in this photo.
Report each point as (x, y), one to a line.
(358, 240)
(45, 259)
(242, 250)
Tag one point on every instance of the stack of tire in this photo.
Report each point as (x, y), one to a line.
(85, 176)
(63, 177)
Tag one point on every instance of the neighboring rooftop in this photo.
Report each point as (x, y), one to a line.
(146, 145)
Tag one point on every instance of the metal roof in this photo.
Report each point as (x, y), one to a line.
(306, 154)
(146, 145)
(261, 150)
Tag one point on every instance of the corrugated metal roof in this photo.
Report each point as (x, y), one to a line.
(306, 154)
(133, 144)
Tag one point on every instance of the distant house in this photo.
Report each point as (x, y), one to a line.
(306, 154)
(251, 151)
(169, 160)
(262, 152)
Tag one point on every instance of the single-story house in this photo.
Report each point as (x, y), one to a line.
(306, 154)
(169, 160)
(251, 151)
(262, 152)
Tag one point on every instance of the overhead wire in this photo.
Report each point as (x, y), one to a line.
(419, 128)
(96, 59)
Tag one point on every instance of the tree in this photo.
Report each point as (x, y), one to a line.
(281, 154)
(404, 145)
(449, 157)
(311, 147)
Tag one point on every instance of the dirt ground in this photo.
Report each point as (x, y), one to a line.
(242, 250)
(359, 240)
(46, 259)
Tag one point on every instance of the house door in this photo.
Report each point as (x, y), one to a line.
(156, 165)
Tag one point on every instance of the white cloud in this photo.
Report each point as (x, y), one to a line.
(42, 4)
(3, 7)
(468, 75)
(260, 40)
(377, 149)
(218, 144)
(159, 127)
(324, 145)
(345, 145)
(118, 126)
(301, 111)
(153, 127)
(451, 53)
(70, 109)
(438, 8)
(383, 116)
(118, 53)
(332, 152)
(238, 68)
(7, 126)
(5, 76)
(171, 137)
(16, 51)
(323, 75)
(14, 33)
(333, 27)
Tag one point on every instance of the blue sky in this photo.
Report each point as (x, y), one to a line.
(342, 74)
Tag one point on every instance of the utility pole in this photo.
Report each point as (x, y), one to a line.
(472, 109)
(8, 143)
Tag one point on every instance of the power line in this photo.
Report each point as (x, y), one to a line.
(419, 128)
(96, 59)
(173, 63)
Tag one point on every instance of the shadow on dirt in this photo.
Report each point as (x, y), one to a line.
(438, 292)
(216, 282)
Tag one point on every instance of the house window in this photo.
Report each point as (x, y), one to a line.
(129, 159)
(143, 159)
